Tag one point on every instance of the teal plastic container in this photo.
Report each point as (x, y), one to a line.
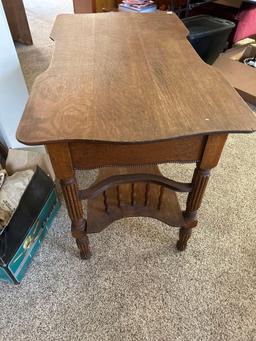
(21, 239)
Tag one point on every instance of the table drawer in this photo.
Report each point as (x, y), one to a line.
(93, 155)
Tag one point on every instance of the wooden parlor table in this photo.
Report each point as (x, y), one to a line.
(125, 92)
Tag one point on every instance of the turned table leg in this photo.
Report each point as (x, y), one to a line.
(75, 211)
(210, 158)
(63, 167)
(199, 182)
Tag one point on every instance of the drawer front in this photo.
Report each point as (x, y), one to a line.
(86, 155)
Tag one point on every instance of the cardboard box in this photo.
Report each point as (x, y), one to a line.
(230, 3)
(241, 76)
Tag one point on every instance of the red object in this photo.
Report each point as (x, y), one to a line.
(246, 26)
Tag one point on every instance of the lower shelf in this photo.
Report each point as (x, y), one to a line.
(132, 200)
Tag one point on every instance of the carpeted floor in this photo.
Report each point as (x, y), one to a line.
(136, 286)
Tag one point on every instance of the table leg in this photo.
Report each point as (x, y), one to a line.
(63, 167)
(200, 180)
(210, 159)
(75, 211)
(17, 21)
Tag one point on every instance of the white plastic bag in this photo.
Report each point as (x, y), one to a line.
(11, 192)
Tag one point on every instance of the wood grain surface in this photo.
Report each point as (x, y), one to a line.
(86, 155)
(127, 78)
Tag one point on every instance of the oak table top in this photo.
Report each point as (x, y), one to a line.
(127, 78)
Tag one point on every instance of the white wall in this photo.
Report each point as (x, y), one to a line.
(13, 90)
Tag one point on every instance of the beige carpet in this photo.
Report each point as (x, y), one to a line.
(136, 286)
